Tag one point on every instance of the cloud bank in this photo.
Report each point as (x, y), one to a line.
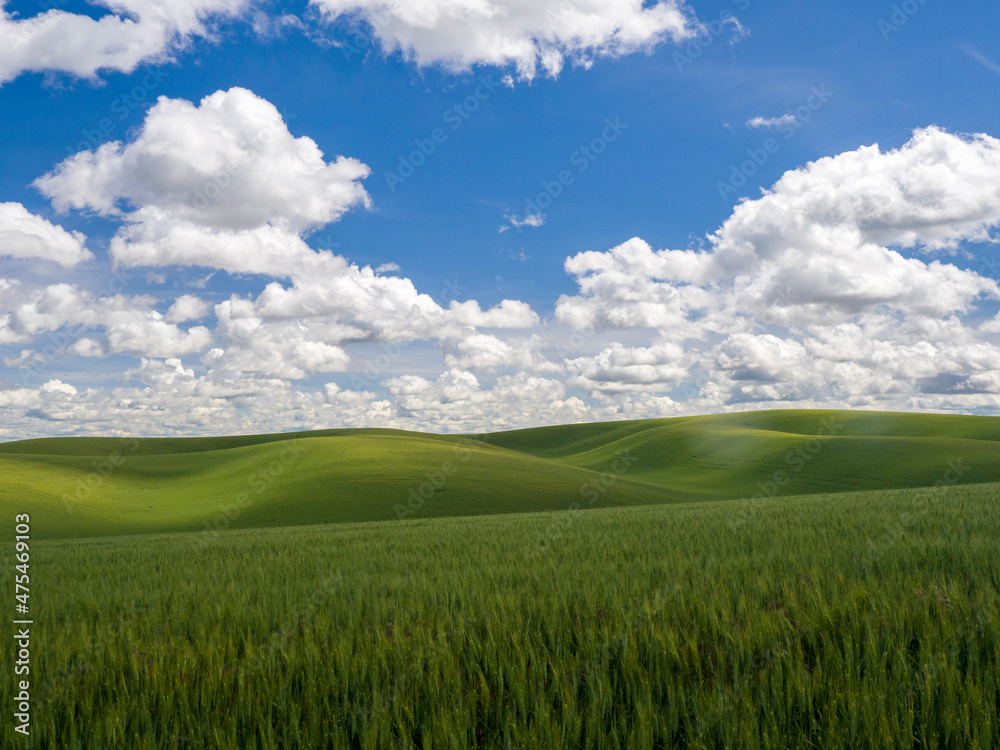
(532, 37)
(857, 280)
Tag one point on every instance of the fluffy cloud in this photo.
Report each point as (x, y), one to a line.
(264, 250)
(291, 331)
(268, 188)
(529, 34)
(134, 32)
(24, 235)
(187, 307)
(482, 352)
(130, 324)
(630, 286)
(85, 347)
(837, 287)
(621, 369)
(806, 293)
(824, 243)
(508, 314)
(227, 165)
(457, 401)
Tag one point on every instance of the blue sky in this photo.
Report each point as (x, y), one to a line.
(692, 108)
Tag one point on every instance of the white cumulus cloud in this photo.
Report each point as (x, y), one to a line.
(25, 235)
(228, 164)
(528, 34)
(832, 284)
(133, 32)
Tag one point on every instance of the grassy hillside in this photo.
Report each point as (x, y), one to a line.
(732, 455)
(861, 620)
(104, 486)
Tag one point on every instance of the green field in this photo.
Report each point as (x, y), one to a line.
(104, 486)
(806, 579)
(860, 620)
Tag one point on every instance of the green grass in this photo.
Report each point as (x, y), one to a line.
(858, 620)
(74, 489)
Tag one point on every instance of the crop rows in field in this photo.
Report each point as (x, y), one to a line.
(865, 620)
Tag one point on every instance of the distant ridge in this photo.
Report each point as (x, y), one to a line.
(79, 487)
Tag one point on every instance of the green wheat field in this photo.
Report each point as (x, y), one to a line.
(784, 579)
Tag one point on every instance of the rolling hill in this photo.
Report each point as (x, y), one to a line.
(80, 487)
